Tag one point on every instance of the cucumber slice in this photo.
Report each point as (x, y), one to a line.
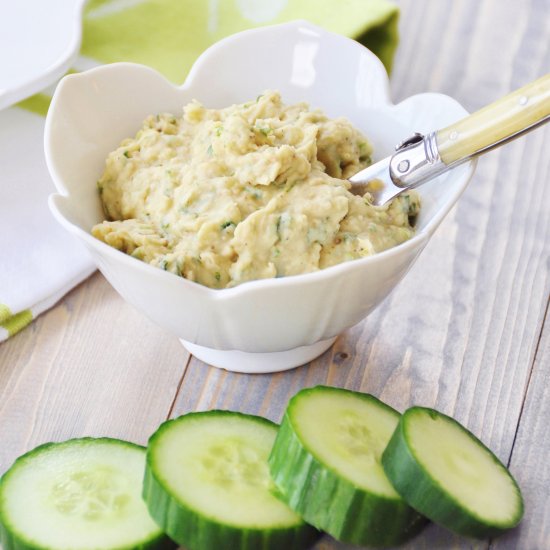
(326, 463)
(447, 474)
(207, 484)
(82, 494)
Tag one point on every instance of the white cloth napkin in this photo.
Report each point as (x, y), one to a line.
(39, 260)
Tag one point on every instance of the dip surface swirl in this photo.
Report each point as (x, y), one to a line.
(252, 191)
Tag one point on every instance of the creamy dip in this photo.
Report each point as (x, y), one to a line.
(252, 191)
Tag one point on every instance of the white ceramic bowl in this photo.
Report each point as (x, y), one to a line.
(271, 324)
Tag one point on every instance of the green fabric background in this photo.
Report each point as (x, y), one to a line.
(169, 35)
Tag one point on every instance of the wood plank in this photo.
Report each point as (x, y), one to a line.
(83, 369)
(529, 461)
(461, 331)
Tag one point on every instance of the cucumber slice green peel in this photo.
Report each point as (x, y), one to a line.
(446, 473)
(326, 464)
(207, 485)
(82, 494)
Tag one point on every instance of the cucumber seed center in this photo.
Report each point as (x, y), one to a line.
(358, 439)
(90, 495)
(233, 463)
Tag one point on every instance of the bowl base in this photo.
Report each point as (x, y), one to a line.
(258, 363)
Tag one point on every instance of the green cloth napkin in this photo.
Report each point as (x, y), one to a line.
(169, 35)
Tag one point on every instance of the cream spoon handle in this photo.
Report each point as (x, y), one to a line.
(496, 123)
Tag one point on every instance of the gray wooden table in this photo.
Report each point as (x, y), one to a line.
(467, 331)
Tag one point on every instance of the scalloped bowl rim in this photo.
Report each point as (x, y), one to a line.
(416, 241)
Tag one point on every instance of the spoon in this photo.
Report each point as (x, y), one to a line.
(421, 158)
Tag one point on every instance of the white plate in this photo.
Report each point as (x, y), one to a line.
(39, 40)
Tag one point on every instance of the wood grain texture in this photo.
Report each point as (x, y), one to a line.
(461, 333)
(90, 366)
(529, 460)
